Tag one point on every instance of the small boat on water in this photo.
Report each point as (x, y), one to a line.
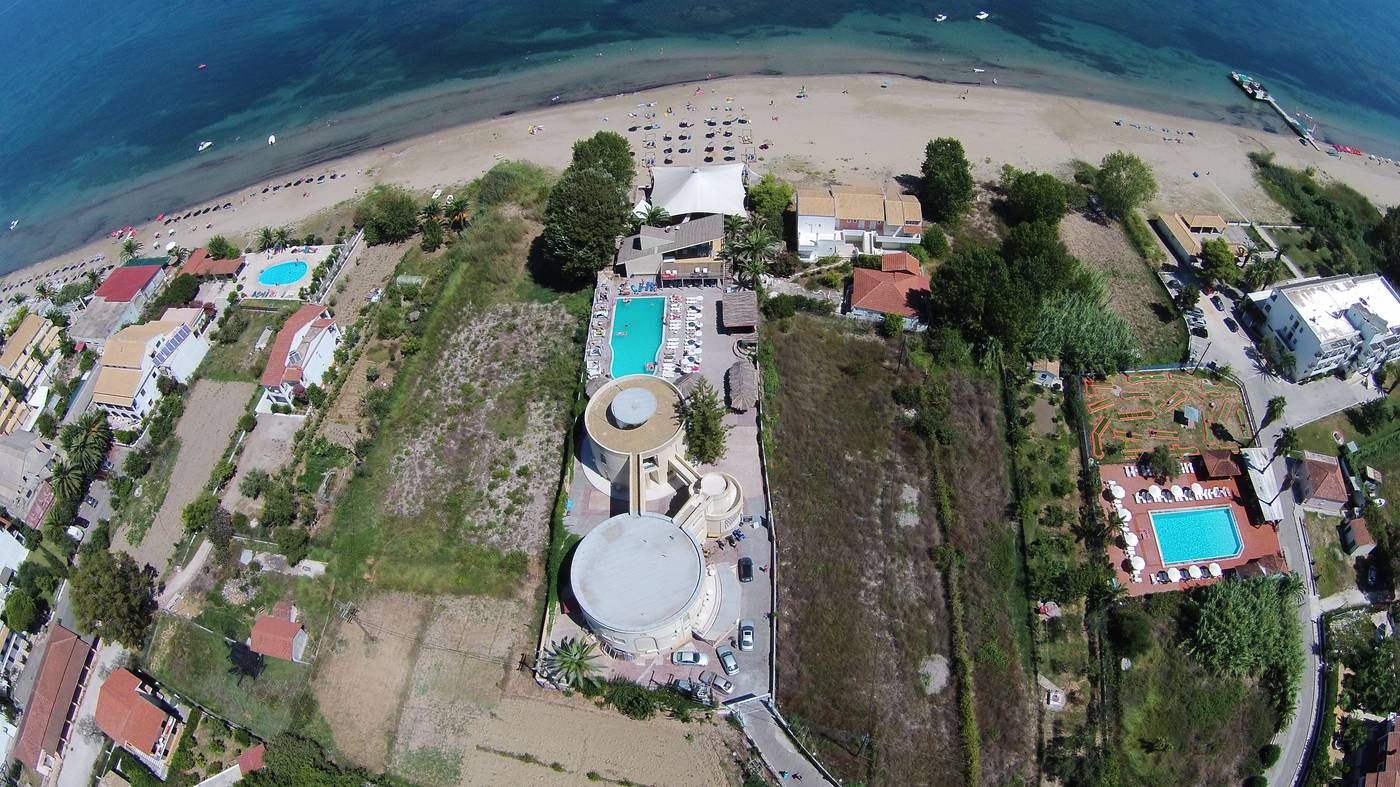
(272, 139)
(982, 16)
(979, 70)
(941, 18)
(205, 145)
(14, 224)
(201, 67)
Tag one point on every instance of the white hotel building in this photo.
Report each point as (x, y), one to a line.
(1347, 323)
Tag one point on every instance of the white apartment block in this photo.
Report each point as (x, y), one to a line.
(1346, 323)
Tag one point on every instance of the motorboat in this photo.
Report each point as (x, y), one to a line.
(205, 145)
(14, 224)
(979, 70)
(272, 139)
(941, 18)
(982, 16)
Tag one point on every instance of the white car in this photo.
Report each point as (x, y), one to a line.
(689, 658)
(746, 635)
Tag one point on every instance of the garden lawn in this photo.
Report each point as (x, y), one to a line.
(196, 664)
(1332, 567)
(238, 361)
(1294, 243)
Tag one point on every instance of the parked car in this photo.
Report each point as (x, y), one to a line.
(91, 501)
(1195, 311)
(1231, 324)
(746, 635)
(1199, 330)
(1217, 302)
(689, 658)
(716, 682)
(727, 660)
(745, 569)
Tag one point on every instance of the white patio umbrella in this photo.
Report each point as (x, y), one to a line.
(1130, 538)
(1125, 515)
(1214, 569)
(1137, 563)
(1155, 491)
(1174, 574)
(1176, 492)
(170, 245)
(1198, 490)
(1118, 492)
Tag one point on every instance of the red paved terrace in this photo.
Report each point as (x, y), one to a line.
(1259, 540)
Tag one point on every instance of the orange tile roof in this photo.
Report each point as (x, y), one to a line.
(199, 263)
(1360, 534)
(275, 373)
(46, 717)
(274, 636)
(888, 292)
(1324, 477)
(901, 262)
(127, 715)
(252, 760)
(1220, 464)
(122, 284)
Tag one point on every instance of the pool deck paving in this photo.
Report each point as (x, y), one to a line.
(1258, 539)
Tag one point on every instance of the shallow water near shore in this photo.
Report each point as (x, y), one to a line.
(106, 105)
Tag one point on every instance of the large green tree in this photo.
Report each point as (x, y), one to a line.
(1218, 261)
(1038, 257)
(608, 151)
(587, 210)
(1375, 681)
(1124, 182)
(22, 611)
(947, 180)
(975, 292)
(388, 214)
(1035, 196)
(702, 414)
(770, 198)
(113, 598)
(1249, 628)
(221, 248)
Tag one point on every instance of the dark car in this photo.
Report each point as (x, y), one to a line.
(1231, 324)
(745, 569)
(1217, 302)
(91, 501)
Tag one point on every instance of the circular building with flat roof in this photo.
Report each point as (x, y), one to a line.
(632, 419)
(641, 583)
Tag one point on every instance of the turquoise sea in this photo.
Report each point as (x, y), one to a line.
(104, 105)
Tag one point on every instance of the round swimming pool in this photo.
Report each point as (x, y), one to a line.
(282, 273)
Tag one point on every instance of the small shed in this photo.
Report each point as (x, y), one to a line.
(741, 384)
(1189, 416)
(739, 310)
(1357, 538)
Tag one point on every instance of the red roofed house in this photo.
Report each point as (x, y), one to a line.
(302, 352)
(1220, 464)
(279, 634)
(199, 263)
(132, 714)
(1387, 773)
(1320, 484)
(118, 300)
(252, 760)
(1357, 539)
(45, 727)
(899, 287)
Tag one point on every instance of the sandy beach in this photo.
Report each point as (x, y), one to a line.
(850, 129)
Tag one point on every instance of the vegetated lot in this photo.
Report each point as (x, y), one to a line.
(1183, 723)
(1331, 566)
(249, 690)
(265, 448)
(238, 360)
(1134, 292)
(1130, 414)
(865, 663)
(1297, 244)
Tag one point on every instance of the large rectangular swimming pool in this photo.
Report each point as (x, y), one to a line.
(1196, 535)
(636, 335)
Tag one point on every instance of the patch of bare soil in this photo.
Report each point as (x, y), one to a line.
(371, 268)
(362, 673)
(490, 429)
(266, 448)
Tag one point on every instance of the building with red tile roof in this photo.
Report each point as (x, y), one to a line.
(1220, 464)
(302, 352)
(279, 633)
(63, 673)
(1357, 538)
(199, 263)
(130, 713)
(1321, 484)
(252, 760)
(897, 288)
(1387, 773)
(126, 283)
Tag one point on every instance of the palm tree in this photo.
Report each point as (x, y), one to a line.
(177, 254)
(131, 248)
(266, 239)
(283, 237)
(43, 290)
(1287, 441)
(656, 216)
(67, 480)
(733, 225)
(96, 428)
(752, 250)
(458, 215)
(431, 214)
(572, 662)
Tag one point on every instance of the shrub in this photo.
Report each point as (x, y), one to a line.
(1131, 631)
(248, 422)
(1268, 755)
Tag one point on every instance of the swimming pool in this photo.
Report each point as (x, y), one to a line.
(636, 335)
(1196, 535)
(282, 273)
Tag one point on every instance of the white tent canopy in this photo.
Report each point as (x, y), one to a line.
(683, 190)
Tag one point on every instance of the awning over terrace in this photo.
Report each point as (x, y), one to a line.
(1264, 481)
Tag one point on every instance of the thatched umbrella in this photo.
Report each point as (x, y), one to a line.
(741, 381)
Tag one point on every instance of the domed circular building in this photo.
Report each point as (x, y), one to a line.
(633, 433)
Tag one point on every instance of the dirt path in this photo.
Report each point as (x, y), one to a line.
(211, 416)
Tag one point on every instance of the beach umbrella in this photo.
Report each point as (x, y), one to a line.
(1194, 572)
(1198, 490)
(1154, 490)
(1137, 563)
(1118, 492)
(170, 245)
(1176, 491)
(1174, 574)
(1214, 569)
(1125, 515)
(1130, 538)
